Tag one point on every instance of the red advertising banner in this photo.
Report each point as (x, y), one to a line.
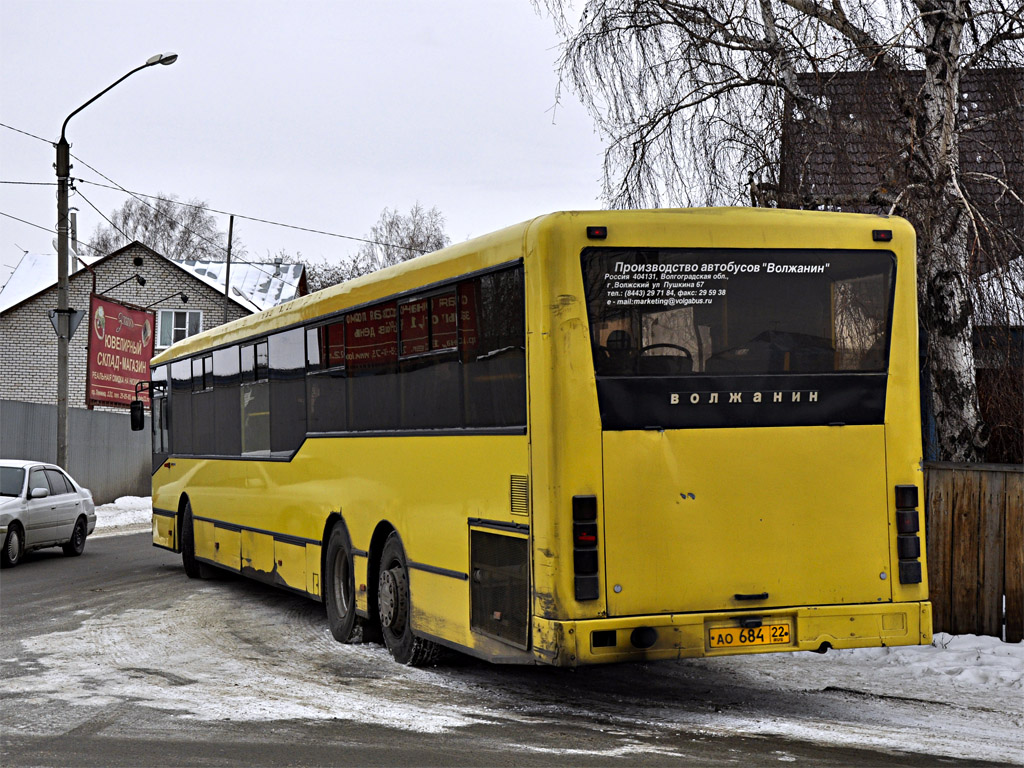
(120, 348)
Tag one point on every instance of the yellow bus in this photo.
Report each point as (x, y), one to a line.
(591, 437)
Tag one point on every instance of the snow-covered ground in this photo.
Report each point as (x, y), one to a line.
(128, 514)
(961, 697)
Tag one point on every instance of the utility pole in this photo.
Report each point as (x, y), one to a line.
(63, 326)
(63, 313)
(227, 272)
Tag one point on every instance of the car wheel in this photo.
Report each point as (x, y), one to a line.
(340, 586)
(76, 545)
(194, 569)
(395, 609)
(14, 546)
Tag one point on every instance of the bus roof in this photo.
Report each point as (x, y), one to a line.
(474, 255)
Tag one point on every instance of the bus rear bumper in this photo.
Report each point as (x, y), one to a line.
(678, 636)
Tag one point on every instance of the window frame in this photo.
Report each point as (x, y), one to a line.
(157, 346)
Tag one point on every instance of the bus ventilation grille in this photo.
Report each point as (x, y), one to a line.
(499, 588)
(520, 494)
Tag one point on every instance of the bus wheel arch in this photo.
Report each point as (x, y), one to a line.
(339, 589)
(194, 568)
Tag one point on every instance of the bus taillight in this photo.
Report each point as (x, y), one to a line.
(908, 543)
(584, 545)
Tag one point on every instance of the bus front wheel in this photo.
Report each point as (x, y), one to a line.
(340, 586)
(394, 607)
(194, 569)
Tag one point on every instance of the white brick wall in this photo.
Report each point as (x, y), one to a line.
(28, 345)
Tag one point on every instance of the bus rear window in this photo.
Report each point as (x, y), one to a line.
(679, 312)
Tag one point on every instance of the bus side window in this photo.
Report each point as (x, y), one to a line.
(492, 346)
(228, 435)
(371, 363)
(181, 407)
(431, 384)
(287, 368)
(254, 396)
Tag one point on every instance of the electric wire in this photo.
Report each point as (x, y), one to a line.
(206, 240)
(256, 219)
(212, 210)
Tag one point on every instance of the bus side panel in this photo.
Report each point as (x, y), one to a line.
(904, 454)
(291, 565)
(257, 554)
(227, 548)
(443, 482)
(565, 425)
(204, 533)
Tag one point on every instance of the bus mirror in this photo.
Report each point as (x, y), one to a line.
(138, 411)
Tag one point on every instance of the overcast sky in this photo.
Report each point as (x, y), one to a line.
(317, 114)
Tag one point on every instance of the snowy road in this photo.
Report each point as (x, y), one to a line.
(116, 658)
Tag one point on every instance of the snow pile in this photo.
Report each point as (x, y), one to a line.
(128, 514)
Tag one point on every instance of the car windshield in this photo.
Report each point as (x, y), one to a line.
(11, 481)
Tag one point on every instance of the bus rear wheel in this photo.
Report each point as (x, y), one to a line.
(394, 607)
(340, 586)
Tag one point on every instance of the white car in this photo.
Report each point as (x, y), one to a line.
(41, 506)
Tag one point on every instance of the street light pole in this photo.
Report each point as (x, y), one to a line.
(63, 167)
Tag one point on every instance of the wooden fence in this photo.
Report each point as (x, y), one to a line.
(974, 516)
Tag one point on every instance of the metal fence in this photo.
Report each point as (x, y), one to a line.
(975, 533)
(104, 454)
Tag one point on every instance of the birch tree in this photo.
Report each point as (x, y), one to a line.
(396, 237)
(690, 98)
(176, 230)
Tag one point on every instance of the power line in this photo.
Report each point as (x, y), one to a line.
(186, 229)
(118, 186)
(258, 220)
(214, 210)
(26, 133)
(48, 229)
(37, 226)
(139, 195)
(98, 211)
(32, 183)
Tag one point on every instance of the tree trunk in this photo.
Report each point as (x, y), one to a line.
(945, 234)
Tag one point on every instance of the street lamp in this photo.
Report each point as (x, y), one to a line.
(63, 313)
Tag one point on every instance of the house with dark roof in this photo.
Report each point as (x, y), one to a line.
(857, 160)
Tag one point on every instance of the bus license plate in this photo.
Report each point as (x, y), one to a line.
(738, 637)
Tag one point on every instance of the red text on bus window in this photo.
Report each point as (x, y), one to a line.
(443, 321)
(469, 326)
(415, 328)
(371, 337)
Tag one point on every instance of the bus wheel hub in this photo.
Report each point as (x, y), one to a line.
(392, 599)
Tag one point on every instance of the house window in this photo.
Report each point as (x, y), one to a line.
(177, 324)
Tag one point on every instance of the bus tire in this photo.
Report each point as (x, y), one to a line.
(194, 569)
(340, 586)
(394, 606)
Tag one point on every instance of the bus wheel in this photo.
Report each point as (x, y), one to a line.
(394, 607)
(193, 568)
(340, 586)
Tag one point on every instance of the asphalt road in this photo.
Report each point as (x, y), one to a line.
(113, 659)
